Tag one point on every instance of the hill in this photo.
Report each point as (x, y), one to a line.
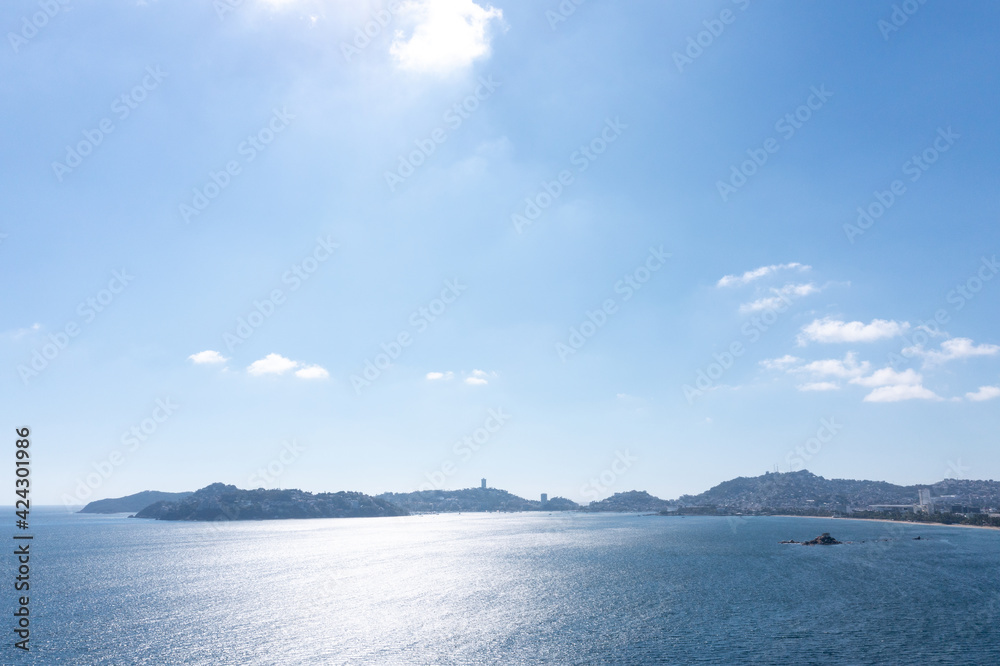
(633, 500)
(131, 503)
(804, 490)
(473, 499)
(221, 502)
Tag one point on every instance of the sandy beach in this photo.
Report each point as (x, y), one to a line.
(885, 520)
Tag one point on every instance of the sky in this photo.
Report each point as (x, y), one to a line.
(572, 247)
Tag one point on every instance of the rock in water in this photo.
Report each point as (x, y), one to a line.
(823, 539)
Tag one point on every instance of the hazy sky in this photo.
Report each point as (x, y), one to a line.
(576, 248)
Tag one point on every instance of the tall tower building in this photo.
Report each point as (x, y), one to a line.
(925, 499)
(483, 486)
(545, 498)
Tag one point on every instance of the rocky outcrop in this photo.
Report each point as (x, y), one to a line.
(823, 539)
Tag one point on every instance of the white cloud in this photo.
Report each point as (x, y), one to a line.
(780, 363)
(781, 296)
(21, 332)
(750, 276)
(272, 364)
(434, 376)
(208, 356)
(312, 372)
(901, 392)
(845, 369)
(818, 386)
(984, 393)
(955, 348)
(835, 330)
(889, 377)
(479, 378)
(447, 34)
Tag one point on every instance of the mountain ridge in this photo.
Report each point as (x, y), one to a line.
(773, 492)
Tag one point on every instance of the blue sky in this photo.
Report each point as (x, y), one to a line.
(576, 249)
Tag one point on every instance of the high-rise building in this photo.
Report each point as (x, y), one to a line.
(484, 485)
(545, 498)
(925, 499)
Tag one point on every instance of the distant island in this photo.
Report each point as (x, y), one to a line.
(952, 501)
(131, 503)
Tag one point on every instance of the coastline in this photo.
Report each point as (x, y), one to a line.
(884, 520)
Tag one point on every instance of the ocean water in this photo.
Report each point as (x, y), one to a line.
(506, 589)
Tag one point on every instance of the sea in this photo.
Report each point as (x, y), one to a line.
(520, 588)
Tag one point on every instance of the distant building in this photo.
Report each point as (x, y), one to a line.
(483, 486)
(545, 498)
(898, 508)
(925, 500)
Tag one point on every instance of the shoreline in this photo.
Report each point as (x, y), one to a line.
(885, 520)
